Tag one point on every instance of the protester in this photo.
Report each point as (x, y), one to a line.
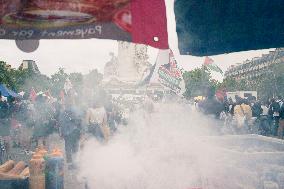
(211, 106)
(148, 104)
(110, 110)
(256, 108)
(70, 130)
(96, 119)
(281, 121)
(4, 108)
(263, 123)
(243, 114)
(44, 120)
(279, 100)
(274, 109)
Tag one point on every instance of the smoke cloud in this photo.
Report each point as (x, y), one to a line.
(166, 149)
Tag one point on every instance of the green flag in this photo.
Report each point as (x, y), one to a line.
(209, 64)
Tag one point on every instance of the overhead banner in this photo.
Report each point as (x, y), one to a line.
(138, 21)
(167, 72)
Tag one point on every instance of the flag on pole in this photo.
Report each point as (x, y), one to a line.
(167, 73)
(146, 80)
(209, 64)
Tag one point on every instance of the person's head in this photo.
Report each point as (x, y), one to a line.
(264, 103)
(239, 100)
(252, 99)
(245, 101)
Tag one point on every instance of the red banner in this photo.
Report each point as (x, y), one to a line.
(138, 21)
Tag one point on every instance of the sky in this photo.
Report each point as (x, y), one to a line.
(85, 55)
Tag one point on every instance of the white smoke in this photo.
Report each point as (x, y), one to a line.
(167, 149)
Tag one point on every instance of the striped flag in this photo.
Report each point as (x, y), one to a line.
(166, 72)
(209, 64)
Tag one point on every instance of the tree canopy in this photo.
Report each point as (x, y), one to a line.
(197, 82)
(24, 80)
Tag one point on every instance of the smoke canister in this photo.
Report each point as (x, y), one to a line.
(55, 170)
(37, 176)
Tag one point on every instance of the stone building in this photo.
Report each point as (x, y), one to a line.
(251, 70)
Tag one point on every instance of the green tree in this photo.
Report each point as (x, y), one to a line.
(196, 82)
(230, 84)
(77, 81)
(57, 81)
(278, 78)
(39, 82)
(6, 76)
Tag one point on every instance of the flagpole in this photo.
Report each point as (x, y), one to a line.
(148, 84)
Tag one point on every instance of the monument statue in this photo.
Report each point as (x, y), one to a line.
(130, 64)
(110, 69)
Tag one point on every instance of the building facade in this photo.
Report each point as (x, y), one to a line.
(251, 70)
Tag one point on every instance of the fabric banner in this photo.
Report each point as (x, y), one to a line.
(138, 21)
(167, 72)
(211, 27)
(4, 91)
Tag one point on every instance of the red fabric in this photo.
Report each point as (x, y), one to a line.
(149, 20)
(139, 21)
(220, 94)
(62, 96)
(208, 61)
(123, 19)
(32, 95)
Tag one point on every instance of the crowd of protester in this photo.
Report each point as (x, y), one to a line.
(27, 122)
(246, 115)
